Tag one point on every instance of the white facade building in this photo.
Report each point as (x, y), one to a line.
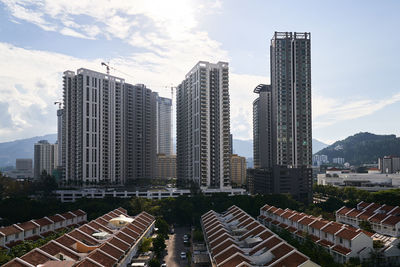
(44, 158)
(372, 181)
(203, 126)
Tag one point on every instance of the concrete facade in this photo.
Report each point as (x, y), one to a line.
(203, 126)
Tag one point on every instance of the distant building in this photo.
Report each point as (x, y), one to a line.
(60, 113)
(203, 126)
(339, 161)
(389, 164)
(262, 127)
(23, 169)
(238, 170)
(282, 180)
(166, 166)
(164, 126)
(44, 158)
(371, 181)
(320, 159)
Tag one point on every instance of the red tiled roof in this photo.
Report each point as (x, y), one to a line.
(43, 222)
(391, 220)
(354, 213)
(280, 251)
(292, 229)
(110, 250)
(219, 240)
(378, 217)
(332, 228)
(270, 243)
(342, 250)
(56, 218)
(366, 214)
(293, 260)
(279, 212)
(79, 212)
(35, 257)
(325, 243)
(53, 248)
(235, 261)
(253, 232)
(102, 258)
(314, 238)
(265, 235)
(83, 238)
(363, 204)
(222, 246)
(343, 210)
(396, 211)
(307, 220)
(68, 215)
(318, 224)
(119, 244)
(226, 254)
(297, 217)
(348, 234)
(10, 230)
(27, 225)
(265, 207)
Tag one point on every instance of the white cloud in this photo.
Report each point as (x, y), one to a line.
(73, 33)
(329, 111)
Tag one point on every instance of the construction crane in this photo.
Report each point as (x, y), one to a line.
(59, 104)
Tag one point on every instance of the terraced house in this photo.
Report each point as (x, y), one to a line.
(110, 240)
(384, 219)
(234, 238)
(35, 229)
(342, 241)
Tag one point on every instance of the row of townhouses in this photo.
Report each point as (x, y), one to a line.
(36, 229)
(110, 240)
(384, 219)
(342, 241)
(234, 238)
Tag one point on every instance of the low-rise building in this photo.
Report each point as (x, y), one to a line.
(238, 170)
(234, 238)
(384, 219)
(371, 181)
(341, 241)
(110, 240)
(166, 166)
(36, 229)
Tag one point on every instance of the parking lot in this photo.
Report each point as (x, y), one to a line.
(175, 246)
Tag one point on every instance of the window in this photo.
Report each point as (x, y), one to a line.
(16, 235)
(341, 241)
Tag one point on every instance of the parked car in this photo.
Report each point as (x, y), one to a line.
(183, 255)
(164, 265)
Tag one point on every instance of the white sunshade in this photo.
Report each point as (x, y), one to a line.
(120, 220)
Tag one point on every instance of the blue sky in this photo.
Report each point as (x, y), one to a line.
(355, 79)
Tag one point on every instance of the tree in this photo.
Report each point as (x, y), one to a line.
(154, 263)
(145, 245)
(198, 236)
(366, 225)
(163, 227)
(159, 246)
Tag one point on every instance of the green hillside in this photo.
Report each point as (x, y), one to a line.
(363, 148)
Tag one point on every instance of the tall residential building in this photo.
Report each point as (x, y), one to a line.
(60, 113)
(203, 126)
(92, 128)
(44, 159)
(164, 125)
(291, 99)
(238, 170)
(262, 127)
(140, 132)
(389, 164)
(166, 166)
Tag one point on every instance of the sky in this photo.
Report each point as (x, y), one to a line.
(354, 51)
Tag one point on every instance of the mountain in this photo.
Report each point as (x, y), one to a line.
(317, 145)
(23, 148)
(363, 148)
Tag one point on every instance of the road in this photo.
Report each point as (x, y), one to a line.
(175, 246)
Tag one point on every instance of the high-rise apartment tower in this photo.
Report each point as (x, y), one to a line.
(291, 99)
(164, 125)
(262, 127)
(203, 126)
